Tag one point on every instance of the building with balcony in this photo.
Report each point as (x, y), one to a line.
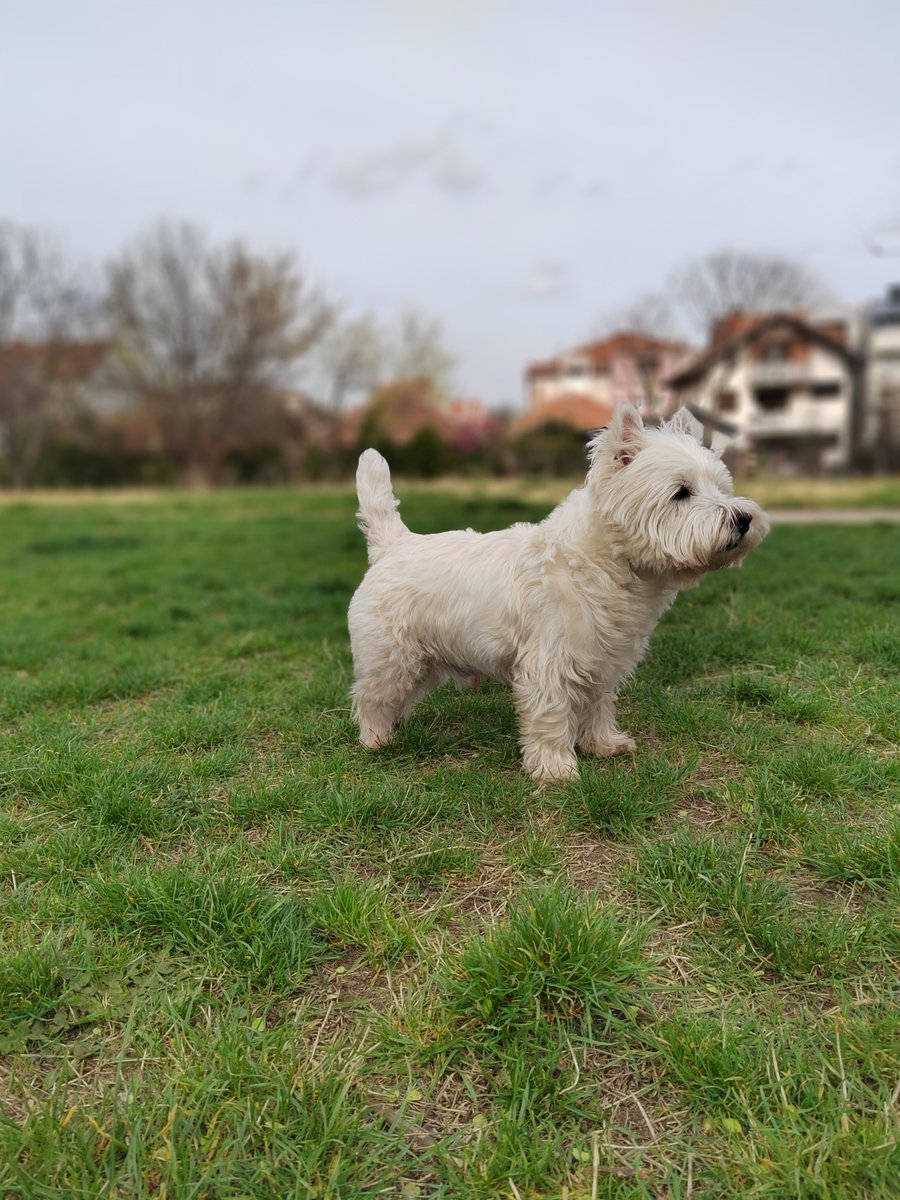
(784, 388)
(879, 423)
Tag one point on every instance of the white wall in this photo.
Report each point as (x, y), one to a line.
(804, 413)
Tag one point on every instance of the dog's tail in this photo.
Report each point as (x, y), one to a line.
(377, 516)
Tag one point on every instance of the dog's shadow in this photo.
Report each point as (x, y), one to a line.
(451, 722)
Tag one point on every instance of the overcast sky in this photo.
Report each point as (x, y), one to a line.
(515, 168)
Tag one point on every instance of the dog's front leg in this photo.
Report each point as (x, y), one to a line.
(597, 730)
(547, 725)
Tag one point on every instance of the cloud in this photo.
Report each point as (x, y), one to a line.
(548, 280)
(883, 240)
(455, 172)
(309, 171)
(253, 181)
(598, 189)
(438, 159)
(549, 184)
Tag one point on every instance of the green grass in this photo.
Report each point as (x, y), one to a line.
(240, 956)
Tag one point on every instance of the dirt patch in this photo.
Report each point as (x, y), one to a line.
(266, 746)
(595, 865)
(699, 809)
(639, 1117)
(348, 983)
(74, 1080)
(485, 897)
(673, 968)
(337, 999)
(812, 891)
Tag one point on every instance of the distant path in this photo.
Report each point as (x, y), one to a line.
(833, 516)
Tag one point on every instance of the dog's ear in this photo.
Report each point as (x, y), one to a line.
(684, 421)
(719, 443)
(625, 436)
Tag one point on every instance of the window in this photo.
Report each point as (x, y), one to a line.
(576, 368)
(772, 399)
(826, 390)
(726, 402)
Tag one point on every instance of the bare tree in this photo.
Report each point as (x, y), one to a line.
(709, 288)
(352, 358)
(419, 352)
(652, 313)
(208, 339)
(42, 308)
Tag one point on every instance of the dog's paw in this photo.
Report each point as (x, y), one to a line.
(550, 768)
(606, 747)
(374, 739)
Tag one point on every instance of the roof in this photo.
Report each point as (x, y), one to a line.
(571, 408)
(70, 361)
(601, 352)
(739, 330)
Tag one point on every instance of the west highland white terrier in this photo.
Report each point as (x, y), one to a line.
(563, 610)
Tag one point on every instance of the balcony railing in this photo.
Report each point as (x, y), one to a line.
(797, 420)
(779, 374)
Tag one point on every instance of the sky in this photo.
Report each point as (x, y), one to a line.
(516, 169)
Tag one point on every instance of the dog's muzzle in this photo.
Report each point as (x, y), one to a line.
(740, 524)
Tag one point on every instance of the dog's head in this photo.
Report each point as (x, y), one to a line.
(669, 498)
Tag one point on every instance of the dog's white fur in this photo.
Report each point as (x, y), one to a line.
(563, 610)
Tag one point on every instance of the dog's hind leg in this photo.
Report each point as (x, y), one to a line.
(597, 730)
(386, 691)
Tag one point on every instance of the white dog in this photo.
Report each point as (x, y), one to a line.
(563, 610)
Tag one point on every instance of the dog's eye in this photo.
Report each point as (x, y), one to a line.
(683, 493)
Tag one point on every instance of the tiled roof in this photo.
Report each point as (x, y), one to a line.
(572, 408)
(741, 329)
(70, 361)
(601, 353)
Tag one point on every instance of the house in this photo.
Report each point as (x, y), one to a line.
(879, 424)
(400, 411)
(56, 365)
(395, 412)
(783, 387)
(582, 386)
(71, 378)
(44, 386)
(574, 409)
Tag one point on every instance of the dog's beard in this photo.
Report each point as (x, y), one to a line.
(683, 550)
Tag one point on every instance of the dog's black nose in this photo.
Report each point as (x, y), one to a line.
(743, 522)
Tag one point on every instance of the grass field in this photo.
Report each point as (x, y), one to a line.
(242, 957)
